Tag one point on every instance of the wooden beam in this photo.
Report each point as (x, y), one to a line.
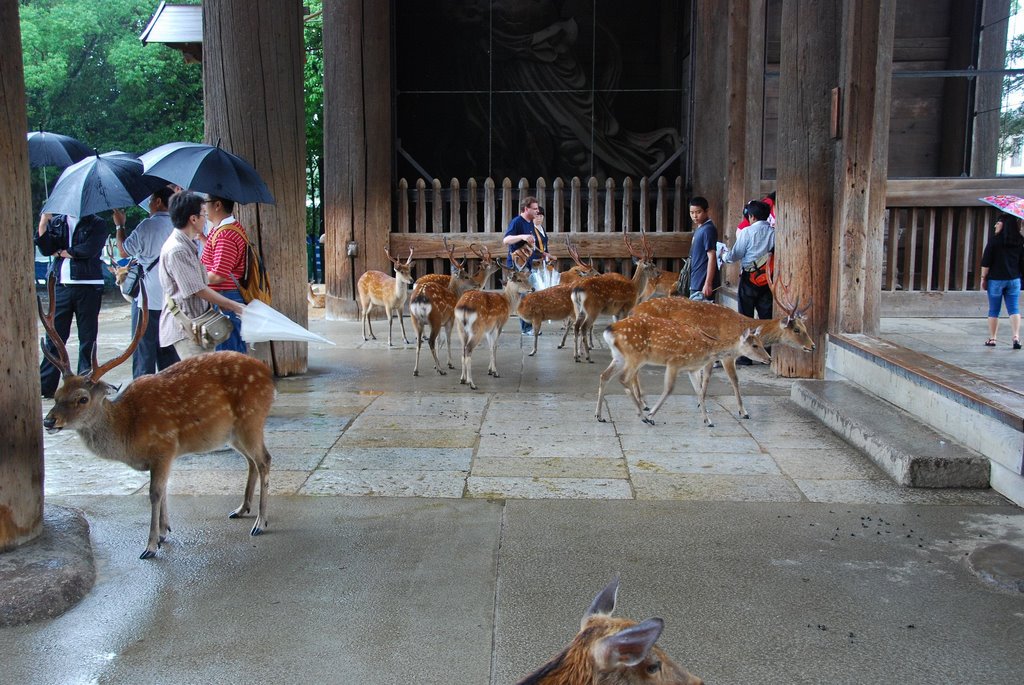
(597, 245)
(946, 192)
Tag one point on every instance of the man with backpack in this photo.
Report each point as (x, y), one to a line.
(224, 257)
(754, 250)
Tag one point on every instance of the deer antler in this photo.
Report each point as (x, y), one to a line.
(140, 330)
(60, 360)
(648, 252)
(574, 254)
(629, 246)
(791, 307)
(451, 255)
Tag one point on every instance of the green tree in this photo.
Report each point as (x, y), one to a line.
(87, 75)
(314, 88)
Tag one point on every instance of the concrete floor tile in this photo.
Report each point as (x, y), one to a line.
(232, 482)
(702, 463)
(691, 442)
(830, 464)
(548, 488)
(711, 488)
(386, 483)
(886, 492)
(551, 467)
(398, 458)
(84, 474)
(571, 446)
(428, 404)
(424, 437)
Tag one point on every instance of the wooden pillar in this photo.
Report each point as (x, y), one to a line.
(710, 117)
(862, 162)
(253, 95)
(988, 91)
(806, 162)
(357, 145)
(21, 435)
(738, 184)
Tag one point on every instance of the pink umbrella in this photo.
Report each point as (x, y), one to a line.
(1011, 204)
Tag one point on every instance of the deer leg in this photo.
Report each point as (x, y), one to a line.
(419, 344)
(165, 524)
(401, 322)
(614, 368)
(628, 379)
(536, 334)
(264, 468)
(448, 339)
(434, 335)
(391, 322)
(730, 370)
(250, 486)
(577, 328)
(701, 388)
(158, 475)
(670, 381)
(564, 335)
(492, 340)
(366, 319)
(467, 364)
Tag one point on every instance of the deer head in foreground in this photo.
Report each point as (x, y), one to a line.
(377, 288)
(613, 651)
(196, 405)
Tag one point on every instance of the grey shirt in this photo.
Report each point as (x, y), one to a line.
(182, 276)
(145, 244)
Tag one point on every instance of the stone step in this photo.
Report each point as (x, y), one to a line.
(912, 453)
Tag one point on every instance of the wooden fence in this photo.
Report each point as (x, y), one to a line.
(594, 216)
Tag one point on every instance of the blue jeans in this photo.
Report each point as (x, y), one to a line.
(998, 291)
(234, 342)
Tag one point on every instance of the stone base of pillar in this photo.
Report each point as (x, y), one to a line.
(339, 309)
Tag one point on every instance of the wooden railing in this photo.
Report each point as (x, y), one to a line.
(592, 215)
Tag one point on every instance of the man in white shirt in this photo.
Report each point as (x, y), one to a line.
(144, 245)
(752, 248)
(77, 244)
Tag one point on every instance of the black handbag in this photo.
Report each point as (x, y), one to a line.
(133, 277)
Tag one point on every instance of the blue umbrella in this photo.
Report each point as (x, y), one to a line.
(99, 183)
(54, 149)
(207, 169)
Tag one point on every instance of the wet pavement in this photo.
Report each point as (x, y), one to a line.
(424, 532)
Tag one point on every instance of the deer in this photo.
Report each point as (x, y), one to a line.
(488, 266)
(433, 303)
(640, 339)
(716, 320)
(665, 285)
(377, 288)
(119, 272)
(609, 294)
(480, 314)
(316, 300)
(578, 270)
(612, 651)
(196, 405)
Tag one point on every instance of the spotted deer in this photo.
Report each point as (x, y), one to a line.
(196, 405)
(612, 651)
(488, 266)
(720, 322)
(377, 288)
(578, 270)
(433, 304)
(665, 285)
(609, 294)
(480, 314)
(640, 339)
(119, 272)
(316, 300)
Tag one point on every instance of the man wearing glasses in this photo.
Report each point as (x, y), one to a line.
(521, 241)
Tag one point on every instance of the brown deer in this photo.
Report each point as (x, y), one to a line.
(488, 266)
(609, 294)
(665, 285)
(612, 651)
(433, 303)
(720, 322)
(119, 272)
(640, 339)
(480, 314)
(377, 288)
(316, 300)
(554, 303)
(578, 270)
(196, 405)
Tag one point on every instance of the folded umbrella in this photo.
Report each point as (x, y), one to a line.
(54, 149)
(1011, 204)
(261, 322)
(99, 183)
(207, 169)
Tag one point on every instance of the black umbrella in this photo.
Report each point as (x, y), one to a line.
(207, 169)
(100, 182)
(54, 149)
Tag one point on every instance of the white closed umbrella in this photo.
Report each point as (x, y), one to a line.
(261, 322)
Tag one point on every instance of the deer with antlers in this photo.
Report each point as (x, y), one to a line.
(715, 320)
(196, 405)
(609, 294)
(480, 315)
(640, 339)
(613, 651)
(377, 288)
(579, 269)
(433, 303)
(554, 303)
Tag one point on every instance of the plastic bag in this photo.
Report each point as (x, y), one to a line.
(261, 322)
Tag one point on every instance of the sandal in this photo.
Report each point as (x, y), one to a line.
(1016, 343)
(991, 342)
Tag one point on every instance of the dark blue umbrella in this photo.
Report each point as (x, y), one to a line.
(207, 169)
(99, 183)
(54, 149)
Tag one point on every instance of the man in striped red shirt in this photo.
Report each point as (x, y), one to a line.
(224, 260)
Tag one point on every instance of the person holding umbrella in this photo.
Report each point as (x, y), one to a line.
(77, 244)
(1001, 266)
(224, 257)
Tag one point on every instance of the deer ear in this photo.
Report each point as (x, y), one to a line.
(604, 602)
(787, 322)
(628, 647)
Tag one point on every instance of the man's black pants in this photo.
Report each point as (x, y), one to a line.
(753, 298)
(149, 356)
(83, 303)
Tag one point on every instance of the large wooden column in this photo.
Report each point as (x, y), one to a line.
(806, 162)
(711, 120)
(357, 145)
(21, 434)
(253, 96)
(739, 185)
(863, 156)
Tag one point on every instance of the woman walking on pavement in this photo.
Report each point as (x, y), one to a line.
(1001, 267)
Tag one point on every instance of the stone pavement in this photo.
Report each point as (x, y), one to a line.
(477, 526)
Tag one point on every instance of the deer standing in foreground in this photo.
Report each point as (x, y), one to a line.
(720, 322)
(639, 339)
(377, 288)
(609, 294)
(612, 651)
(480, 314)
(196, 405)
(433, 303)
